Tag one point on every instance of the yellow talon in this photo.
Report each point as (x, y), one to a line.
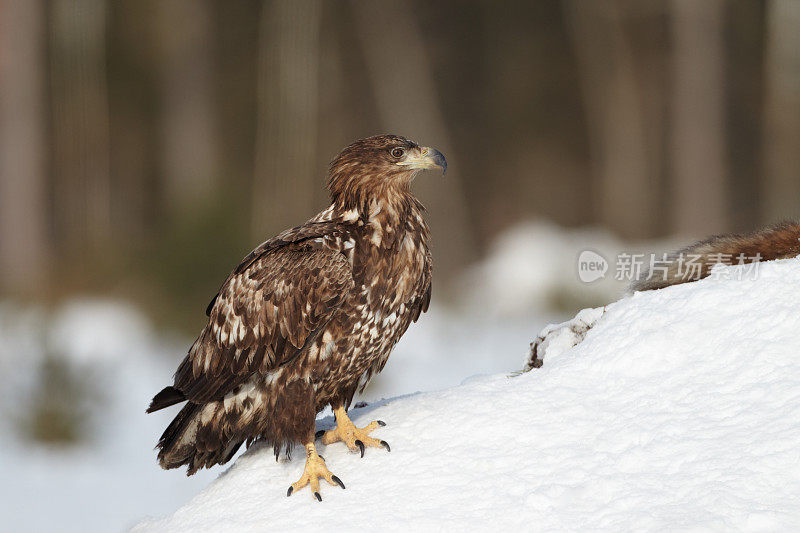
(354, 438)
(315, 469)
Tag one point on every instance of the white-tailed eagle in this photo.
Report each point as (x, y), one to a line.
(308, 318)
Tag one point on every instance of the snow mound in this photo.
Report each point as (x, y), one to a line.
(680, 409)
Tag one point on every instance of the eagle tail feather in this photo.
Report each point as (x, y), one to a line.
(179, 444)
(167, 397)
(170, 454)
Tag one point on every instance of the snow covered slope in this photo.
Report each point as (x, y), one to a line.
(679, 410)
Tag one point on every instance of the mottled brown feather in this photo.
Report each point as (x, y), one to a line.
(307, 318)
(281, 331)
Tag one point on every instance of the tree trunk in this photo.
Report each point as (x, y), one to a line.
(405, 91)
(79, 101)
(627, 182)
(781, 191)
(286, 137)
(745, 38)
(189, 146)
(133, 94)
(23, 213)
(698, 122)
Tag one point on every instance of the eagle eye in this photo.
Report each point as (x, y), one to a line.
(397, 152)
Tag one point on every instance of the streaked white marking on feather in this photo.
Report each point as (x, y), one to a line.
(377, 236)
(208, 412)
(362, 381)
(350, 215)
(327, 350)
(248, 389)
(390, 319)
(409, 245)
(190, 432)
(270, 378)
(325, 215)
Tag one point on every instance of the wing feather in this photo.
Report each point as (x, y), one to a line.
(266, 313)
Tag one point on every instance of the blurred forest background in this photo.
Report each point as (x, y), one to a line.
(147, 145)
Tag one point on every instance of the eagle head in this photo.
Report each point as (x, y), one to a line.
(379, 165)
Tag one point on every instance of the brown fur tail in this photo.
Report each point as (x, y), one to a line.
(696, 261)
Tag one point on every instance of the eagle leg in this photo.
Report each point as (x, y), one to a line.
(354, 438)
(315, 469)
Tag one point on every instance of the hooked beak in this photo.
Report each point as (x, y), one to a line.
(426, 158)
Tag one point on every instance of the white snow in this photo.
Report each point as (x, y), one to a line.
(110, 481)
(679, 410)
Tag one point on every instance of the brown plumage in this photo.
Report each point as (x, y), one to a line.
(309, 316)
(774, 242)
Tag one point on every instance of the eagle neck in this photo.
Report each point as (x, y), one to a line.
(390, 203)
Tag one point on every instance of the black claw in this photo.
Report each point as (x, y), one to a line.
(319, 433)
(381, 423)
(317, 496)
(360, 446)
(318, 455)
(386, 445)
(289, 492)
(337, 480)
